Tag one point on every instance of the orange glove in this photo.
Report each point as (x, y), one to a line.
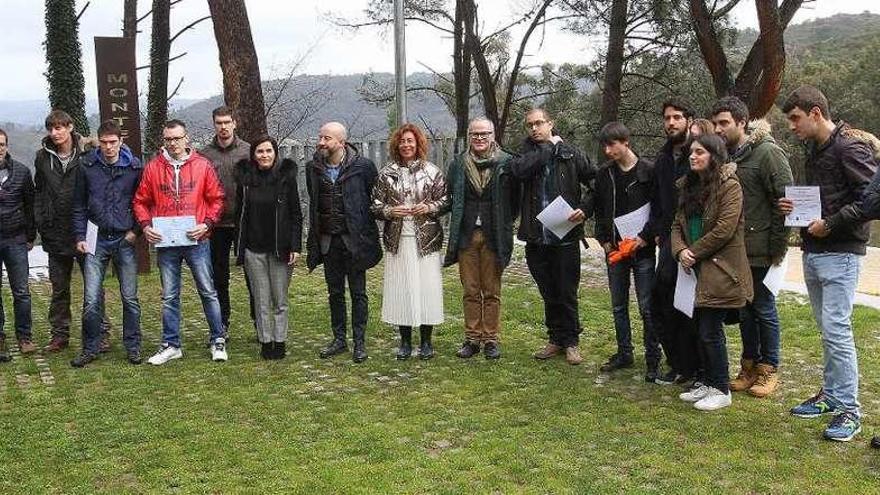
(626, 249)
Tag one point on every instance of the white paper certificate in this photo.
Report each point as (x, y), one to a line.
(91, 237)
(632, 223)
(555, 217)
(173, 230)
(807, 205)
(685, 291)
(776, 276)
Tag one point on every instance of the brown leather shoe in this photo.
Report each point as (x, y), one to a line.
(57, 344)
(767, 381)
(573, 355)
(746, 376)
(548, 351)
(25, 346)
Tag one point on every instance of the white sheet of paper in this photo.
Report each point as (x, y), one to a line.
(173, 230)
(807, 205)
(555, 217)
(776, 276)
(685, 292)
(632, 223)
(91, 237)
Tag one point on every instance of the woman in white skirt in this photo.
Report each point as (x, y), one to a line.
(410, 195)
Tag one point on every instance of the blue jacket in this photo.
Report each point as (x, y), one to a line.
(103, 193)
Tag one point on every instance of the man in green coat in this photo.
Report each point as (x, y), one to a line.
(763, 171)
(483, 196)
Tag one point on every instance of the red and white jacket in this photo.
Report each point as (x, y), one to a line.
(191, 189)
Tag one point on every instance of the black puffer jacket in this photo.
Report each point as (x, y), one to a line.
(288, 212)
(842, 167)
(570, 172)
(357, 178)
(17, 203)
(53, 200)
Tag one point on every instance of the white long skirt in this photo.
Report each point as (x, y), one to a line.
(413, 286)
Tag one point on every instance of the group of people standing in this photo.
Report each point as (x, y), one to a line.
(715, 193)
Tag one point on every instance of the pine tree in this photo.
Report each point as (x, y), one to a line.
(64, 62)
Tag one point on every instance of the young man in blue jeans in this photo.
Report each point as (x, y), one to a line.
(105, 185)
(624, 184)
(841, 165)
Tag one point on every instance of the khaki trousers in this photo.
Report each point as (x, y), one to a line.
(481, 281)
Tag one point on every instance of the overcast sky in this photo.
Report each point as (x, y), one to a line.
(285, 31)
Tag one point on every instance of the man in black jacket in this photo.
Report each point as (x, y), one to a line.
(17, 234)
(342, 233)
(624, 185)
(676, 332)
(549, 168)
(841, 166)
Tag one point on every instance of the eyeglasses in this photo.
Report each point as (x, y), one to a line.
(3, 145)
(175, 139)
(535, 123)
(480, 135)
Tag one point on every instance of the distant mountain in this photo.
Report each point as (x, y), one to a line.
(814, 34)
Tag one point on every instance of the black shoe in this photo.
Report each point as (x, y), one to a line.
(683, 379)
(468, 349)
(279, 351)
(405, 349)
(333, 348)
(875, 442)
(652, 374)
(4, 352)
(491, 350)
(266, 350)
(426, 350)
(359, 355)
(134, 357)
(667, 378)
(617, 362)
(83, 359)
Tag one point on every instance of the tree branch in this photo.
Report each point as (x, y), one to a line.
(188, 27)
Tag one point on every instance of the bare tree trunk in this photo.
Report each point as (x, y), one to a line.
(129, 19)
(461, 70)
(242, 88)
(157, 94)
(614, 62)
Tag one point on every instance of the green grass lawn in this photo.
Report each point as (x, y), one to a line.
(306, 425)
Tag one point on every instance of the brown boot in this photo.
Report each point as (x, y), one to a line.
(767, 381)
(573, 355)
(25, 346)
(548, 351)
(57, 344)
(746, 377)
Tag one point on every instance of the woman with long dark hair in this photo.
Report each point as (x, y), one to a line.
(707, 237)
(410, 195)
(269, 238)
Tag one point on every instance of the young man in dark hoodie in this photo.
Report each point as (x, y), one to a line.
(548, 167)
(55, 171)
(625, 184)
(343, 235)
(17, 234)
(106, 182)
(842, 166)
(763, 171)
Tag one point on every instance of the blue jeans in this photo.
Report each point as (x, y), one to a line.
(113, 247)
(713, 345)
(759, 323)
(198, 258)
(15, 258)
(831, 280)
(642, 270)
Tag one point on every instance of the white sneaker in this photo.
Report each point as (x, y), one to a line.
(164, 354)
(218, 350)
(713, 400)
(694, 394)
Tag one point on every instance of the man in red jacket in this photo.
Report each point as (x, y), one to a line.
(179, 186)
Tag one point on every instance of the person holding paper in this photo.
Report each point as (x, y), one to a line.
(626, 184)
(707, 237)
(841, 165)
(549, 169)
(269, 238)
(106, 181)
(17, 234)
(483, 197)
(764, 172)
(410, 196)
(179, 182)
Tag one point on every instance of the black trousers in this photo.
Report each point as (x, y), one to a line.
(714, 345)
(60, 274)
(677, 333)
(221, 245)
(557, 272)
(337, 268)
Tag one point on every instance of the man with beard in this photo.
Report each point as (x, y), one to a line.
(342, 233)
(676, 332)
